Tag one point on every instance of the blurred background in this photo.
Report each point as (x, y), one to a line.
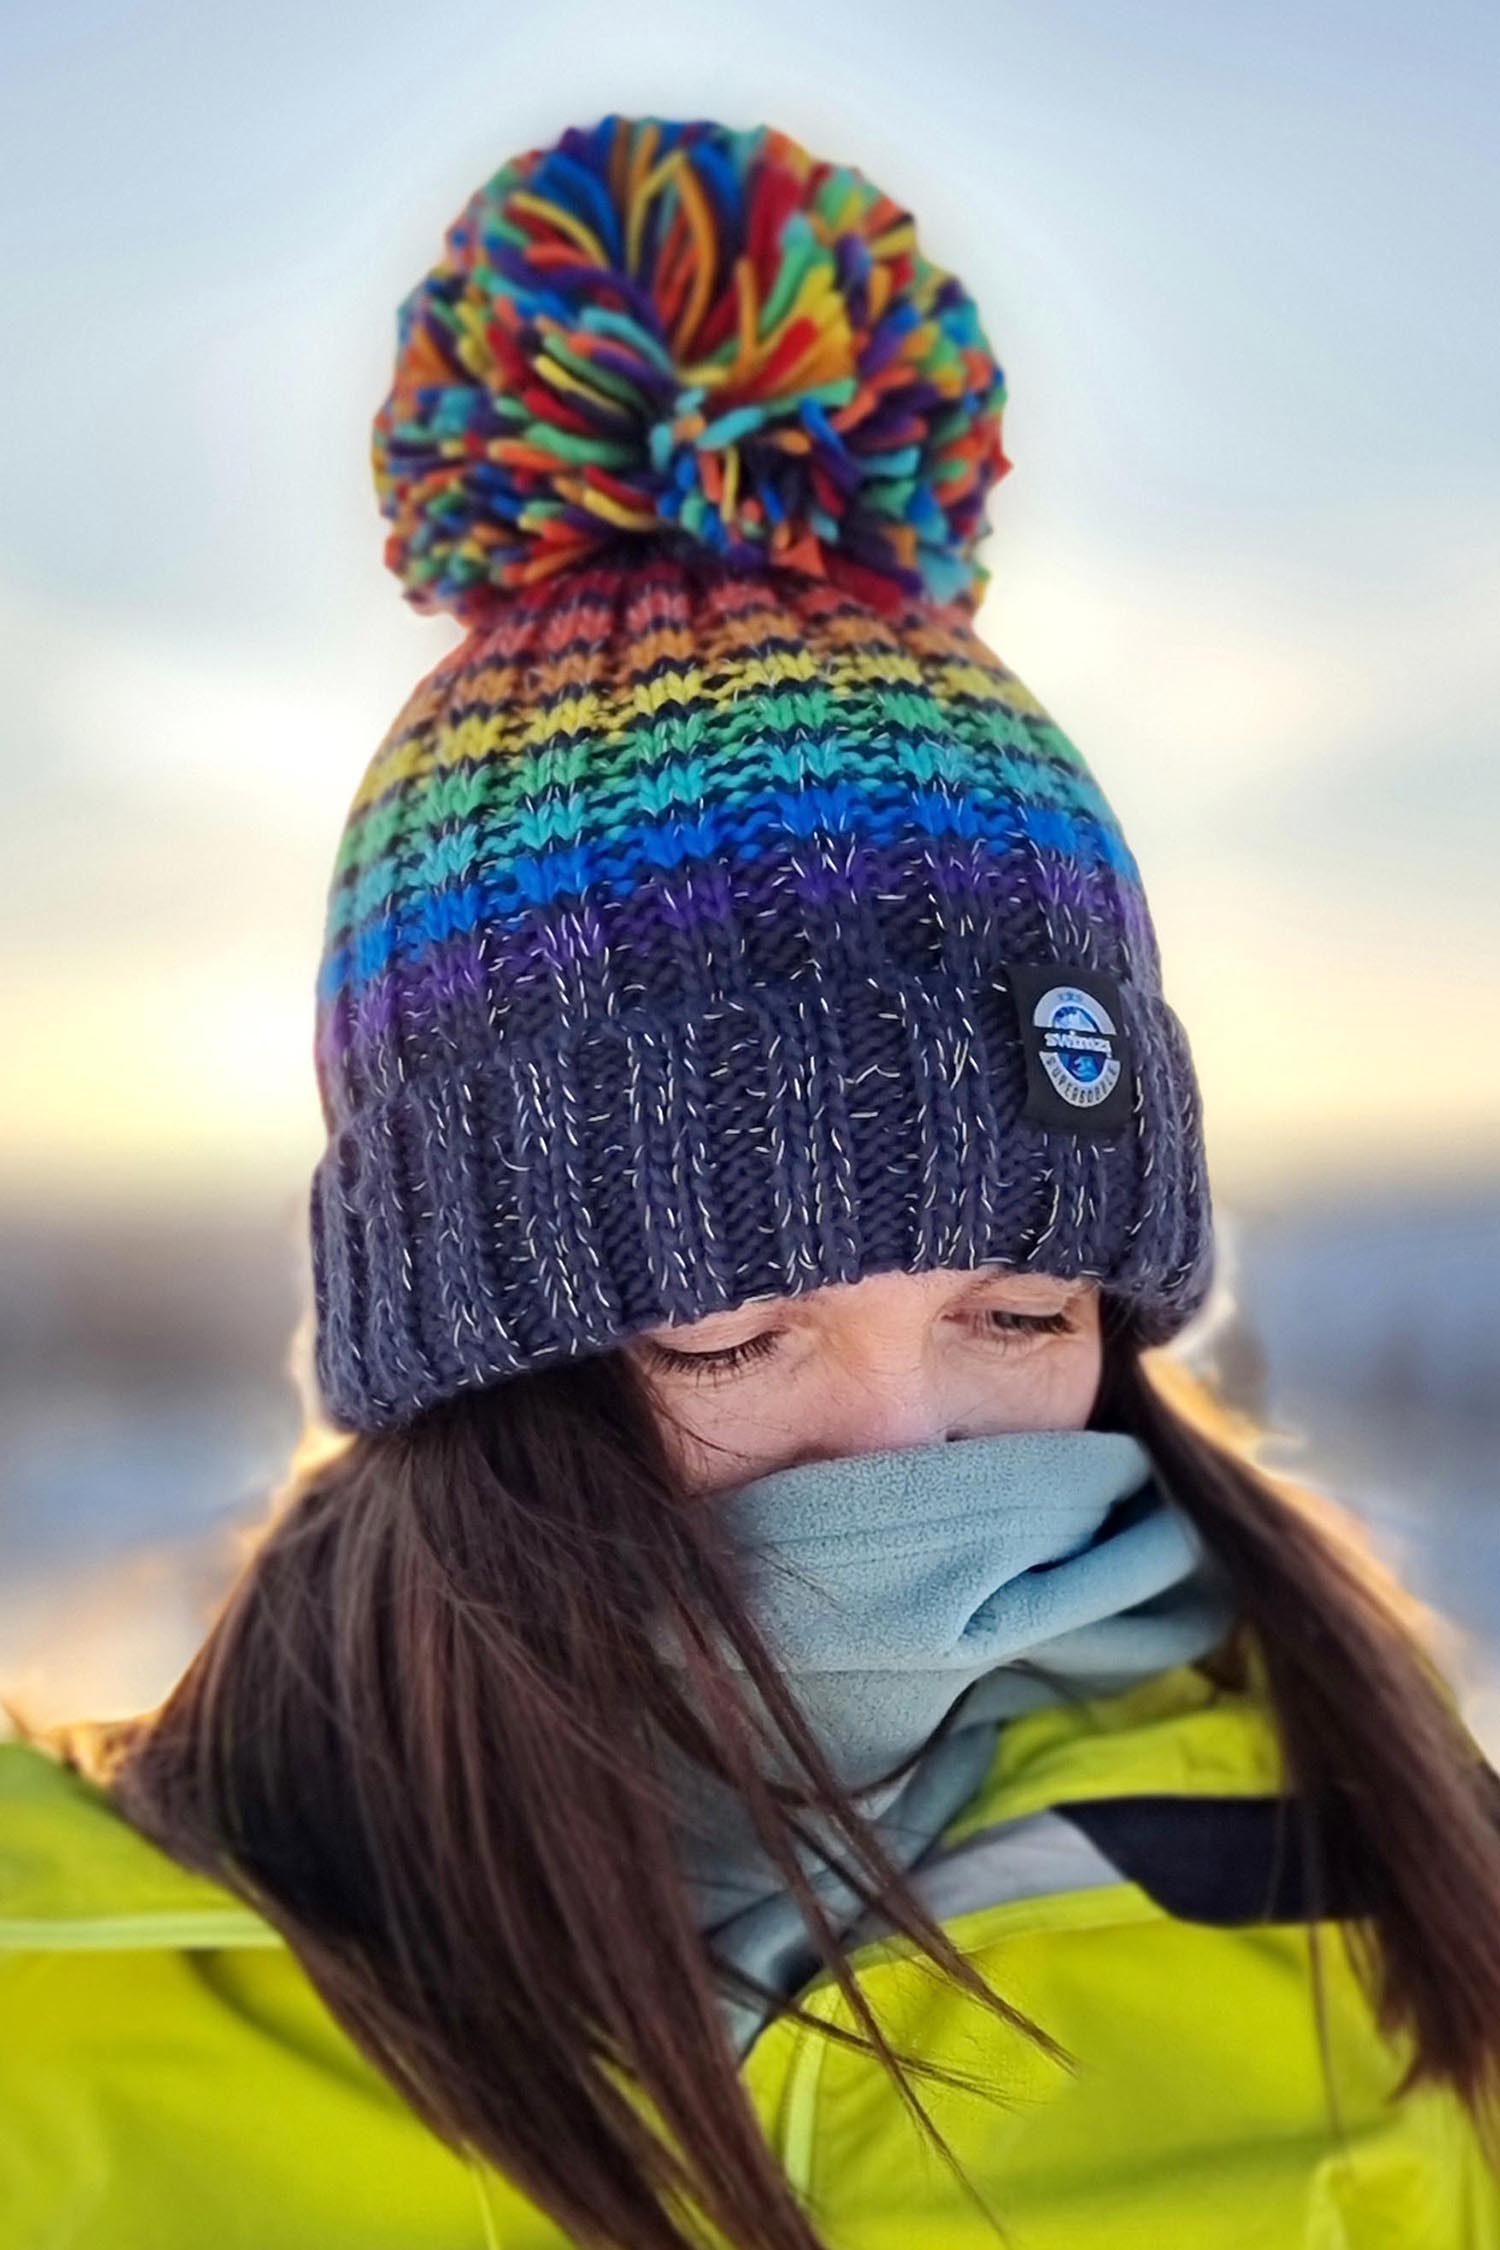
(1238, 265)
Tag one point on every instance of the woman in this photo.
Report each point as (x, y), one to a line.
(776, 1716)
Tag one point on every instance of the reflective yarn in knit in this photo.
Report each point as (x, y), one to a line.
(674, 956)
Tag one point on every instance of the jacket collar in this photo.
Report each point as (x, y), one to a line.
(75, 1874)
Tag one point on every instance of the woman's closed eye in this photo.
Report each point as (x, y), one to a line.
(997, 1326)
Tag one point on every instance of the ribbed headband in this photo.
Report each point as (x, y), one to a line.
(722, 918)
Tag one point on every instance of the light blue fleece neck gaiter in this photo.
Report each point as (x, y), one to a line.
(890, 1585)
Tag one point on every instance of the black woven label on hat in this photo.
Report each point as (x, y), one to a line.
(1080, 1073)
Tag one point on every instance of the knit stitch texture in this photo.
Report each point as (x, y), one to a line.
(686, 926)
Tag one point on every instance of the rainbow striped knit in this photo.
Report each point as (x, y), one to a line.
(722, 917)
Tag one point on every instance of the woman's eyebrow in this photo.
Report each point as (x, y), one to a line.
(985, 1277)
(765, 1308)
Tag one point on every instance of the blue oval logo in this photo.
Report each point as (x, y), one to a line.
(1077, 1045)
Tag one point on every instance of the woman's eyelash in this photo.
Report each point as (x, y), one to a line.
(721, 1362)
(1049, 1324)
(705, 1365)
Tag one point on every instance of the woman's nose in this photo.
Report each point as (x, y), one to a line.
(885, 1408)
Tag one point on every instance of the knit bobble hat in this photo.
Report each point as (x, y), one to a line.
(721, 918)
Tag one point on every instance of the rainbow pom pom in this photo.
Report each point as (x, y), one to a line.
(696, 338)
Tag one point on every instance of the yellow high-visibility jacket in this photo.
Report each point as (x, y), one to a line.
(170, 2080)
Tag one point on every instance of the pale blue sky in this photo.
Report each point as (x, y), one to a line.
(1239, 267)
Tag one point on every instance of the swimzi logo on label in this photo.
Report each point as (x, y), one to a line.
(1079, 1072)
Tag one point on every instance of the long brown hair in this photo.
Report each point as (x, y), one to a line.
(418, 1738)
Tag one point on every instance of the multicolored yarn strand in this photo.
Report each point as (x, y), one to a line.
(681, 941)
(664, 333)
